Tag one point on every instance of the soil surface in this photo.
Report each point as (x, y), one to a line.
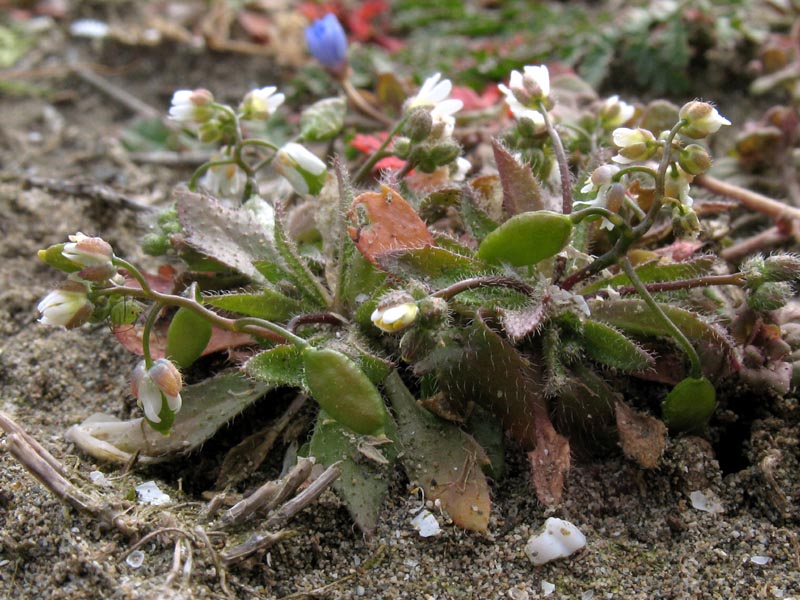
(63, 171)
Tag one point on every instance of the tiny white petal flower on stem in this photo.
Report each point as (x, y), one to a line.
(701, 118)
(191, 106)
(261, 104)
(225, 181)
(616, 112)
(301, 167)
(634, 144)
(434, 90)
(68, 306)
(152, 386)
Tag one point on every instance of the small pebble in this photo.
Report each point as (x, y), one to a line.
(135, 559)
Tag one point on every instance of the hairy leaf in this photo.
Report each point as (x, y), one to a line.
(443, 459)
(364, 481)
(656, 271)
(264, 304)
(521, 191)
(233, 237)
(435, 266)
(608, 346)
(323, 120)
(281, 365)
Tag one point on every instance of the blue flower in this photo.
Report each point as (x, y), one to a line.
(327, 41)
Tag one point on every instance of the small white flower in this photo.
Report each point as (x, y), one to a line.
(462, 167)
(88, 251)
(634, 145)
(396, 317)
(191, 106)
(261, 104)
(676, 185)
(443, 119)
(616, 112)
(598, 185)
(68, 306)
(433, 91)
(701, 118)
(301, 167)
(525, 91)
(152, 386)
(224, 181)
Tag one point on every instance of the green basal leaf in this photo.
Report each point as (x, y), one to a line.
(608, 346)
(264, 304)
(479, 223)
(526, 239)
(278, 366)
(301, 275)
(442, 458)
(435, 266)
(364, 481)
(207, 406)
(187, 337)
(690, 404)
(323, 120)
(633, 315)
(436, 204)
(654, 271)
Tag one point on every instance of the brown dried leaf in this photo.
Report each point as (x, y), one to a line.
(384, 221)
(642, 437)
(521, 192)
(549, 461)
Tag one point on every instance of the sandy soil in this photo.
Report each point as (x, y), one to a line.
(645, 539)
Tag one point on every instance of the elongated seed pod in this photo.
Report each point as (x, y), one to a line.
(187, 337)
(342, 389)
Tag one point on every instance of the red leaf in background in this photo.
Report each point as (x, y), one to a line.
(361, 19)
(317, 10)
(474, 101)
(370, 143)
(391, 224)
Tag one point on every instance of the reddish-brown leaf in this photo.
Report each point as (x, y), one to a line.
(384, 221)
(642, 437)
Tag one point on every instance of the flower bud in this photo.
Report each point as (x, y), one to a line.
(771, 295)
(616, 112)
(685, 221)
(401, 147)
(304, 171)
(634, 144)
(781, 267)
(395, 312)
(191, 106)
(152, 386)
(701, 119)
(419, 124)
(444, 152)
(68, 306)
(694, 159)
(211, 131)
(327, 42)
(88, 251)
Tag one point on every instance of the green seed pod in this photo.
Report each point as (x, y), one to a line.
(342, 389)
(187, 337)
(125, 312)
(527, 238)
(690, 404)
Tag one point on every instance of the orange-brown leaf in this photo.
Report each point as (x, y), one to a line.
(384, 221)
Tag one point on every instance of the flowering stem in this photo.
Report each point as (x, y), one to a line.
(121, 262)
(561, 159)
(262, 329)
(679, 336)
(634, 169)
(148, 327)
(259, 142)
(379, 153)
(737, 279)
(358, 100)
(616, 219)
(205, 167)
(475, 283)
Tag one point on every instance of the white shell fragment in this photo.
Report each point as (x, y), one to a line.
(426, 524)
(760, 560)
(135, 559)
(558, 539)
(706, 501)
(548, 588)
(149, 493)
